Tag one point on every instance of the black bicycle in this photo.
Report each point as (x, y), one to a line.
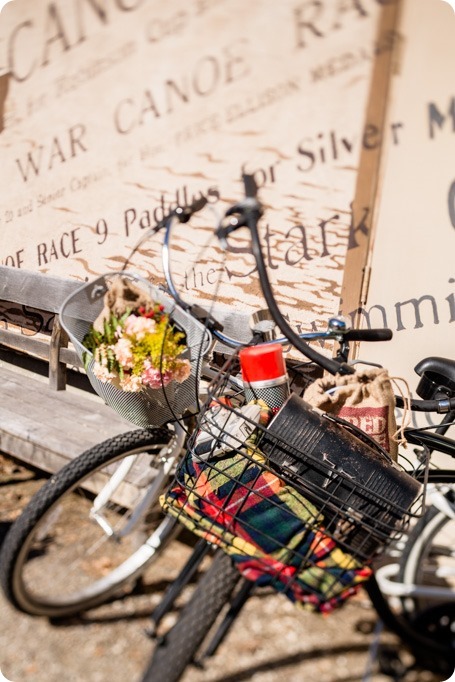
(96, 526)
(341, 514)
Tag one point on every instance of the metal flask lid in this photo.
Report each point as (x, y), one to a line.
(261, 363)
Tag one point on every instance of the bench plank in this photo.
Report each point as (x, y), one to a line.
(33, 289)
(42, 293)
(41, 424)
(46, 428)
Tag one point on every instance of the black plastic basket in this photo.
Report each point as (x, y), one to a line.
(148, 407)
(303, 504)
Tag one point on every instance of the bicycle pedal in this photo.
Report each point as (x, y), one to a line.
(365, 626)
(390, 662)
(198, 663)
(151, 632)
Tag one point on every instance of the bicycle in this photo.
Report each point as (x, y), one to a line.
(148, 550)
(414, 591)
(421, 607)
(222, 585)
(101, 510)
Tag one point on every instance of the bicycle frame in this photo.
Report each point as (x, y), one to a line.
(247, 213)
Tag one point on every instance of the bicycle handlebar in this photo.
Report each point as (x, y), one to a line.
(183, 214)
(247, 213)
(440, 406)
(368, 335)
(215, 327)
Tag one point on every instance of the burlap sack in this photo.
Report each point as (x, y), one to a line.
(365, 399)
(121, 296)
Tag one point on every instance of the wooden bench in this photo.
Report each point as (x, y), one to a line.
(45, 294)
(44, 421)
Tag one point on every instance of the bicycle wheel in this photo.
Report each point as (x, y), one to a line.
(428, 562)
(77, 542)
(176, 650)
(425, 627)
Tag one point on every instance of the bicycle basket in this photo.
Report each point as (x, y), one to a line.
(299, 502)
(148, 406)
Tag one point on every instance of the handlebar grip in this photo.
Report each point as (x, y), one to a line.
(234, 223)
(184, 213)
(250, 186)
(368, 335)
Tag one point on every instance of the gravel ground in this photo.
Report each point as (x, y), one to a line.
(271, 641)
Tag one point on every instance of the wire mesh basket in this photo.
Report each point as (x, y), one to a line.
(300, 501)
(148, 406)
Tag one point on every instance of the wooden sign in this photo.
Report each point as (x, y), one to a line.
(115, 111)
(412, 286)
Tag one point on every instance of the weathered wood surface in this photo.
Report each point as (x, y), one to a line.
(42, 293)
(41, 423)
(39, 348)
(47, 428)
(34, 289)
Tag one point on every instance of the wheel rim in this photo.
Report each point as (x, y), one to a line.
(434, 567)
(69, 561)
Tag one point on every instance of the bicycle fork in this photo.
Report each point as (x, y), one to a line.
(168, 456)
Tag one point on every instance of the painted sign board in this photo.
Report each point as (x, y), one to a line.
(412, 284)
(114, 111)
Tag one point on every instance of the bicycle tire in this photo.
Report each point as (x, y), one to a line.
(179, 646)
(56, 523)
(429, 560)
(427, 648)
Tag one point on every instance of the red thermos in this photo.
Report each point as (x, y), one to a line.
(264, 374)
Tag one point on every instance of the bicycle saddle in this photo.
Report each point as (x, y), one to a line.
(437, 378)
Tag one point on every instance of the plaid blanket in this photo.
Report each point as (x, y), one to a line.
(274, 535)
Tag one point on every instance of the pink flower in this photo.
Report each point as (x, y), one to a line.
(132, 383)
(153, 377)
(182, 370)
(102, 374)
(138, 327)
(124, 353)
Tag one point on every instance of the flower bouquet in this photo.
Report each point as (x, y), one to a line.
(133, 342)
(141, 351)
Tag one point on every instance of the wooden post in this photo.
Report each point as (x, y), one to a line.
(57, 369)
(354, 288)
